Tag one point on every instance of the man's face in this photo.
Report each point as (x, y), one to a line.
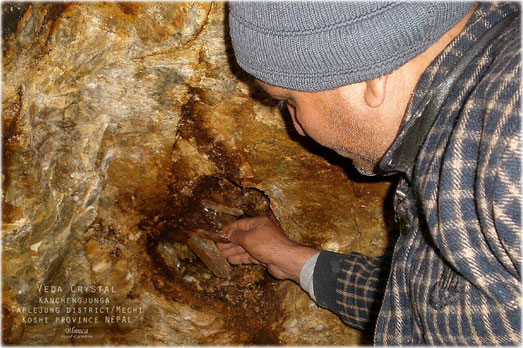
(341, 120)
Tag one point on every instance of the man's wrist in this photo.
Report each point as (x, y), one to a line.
(295, 261)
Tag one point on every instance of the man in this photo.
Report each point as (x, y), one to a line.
(430, 90)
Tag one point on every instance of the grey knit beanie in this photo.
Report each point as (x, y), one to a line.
(314, 46)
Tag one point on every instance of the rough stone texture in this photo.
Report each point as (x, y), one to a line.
(113, 114)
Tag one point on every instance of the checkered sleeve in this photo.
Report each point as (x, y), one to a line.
(351, 286)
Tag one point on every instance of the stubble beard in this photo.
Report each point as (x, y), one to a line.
(364, 164)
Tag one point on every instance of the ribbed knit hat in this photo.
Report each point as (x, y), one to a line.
(314, 46)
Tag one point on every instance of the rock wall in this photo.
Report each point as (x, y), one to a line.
(119, 115)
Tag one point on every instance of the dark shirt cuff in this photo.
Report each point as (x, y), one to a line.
(325, 278)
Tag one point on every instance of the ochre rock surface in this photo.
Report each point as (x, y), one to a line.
(113, 114)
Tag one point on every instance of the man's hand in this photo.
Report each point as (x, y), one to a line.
(259, 240)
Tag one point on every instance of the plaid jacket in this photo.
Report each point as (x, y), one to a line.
(455, 275)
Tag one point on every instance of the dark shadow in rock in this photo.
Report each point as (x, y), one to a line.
(12, 13)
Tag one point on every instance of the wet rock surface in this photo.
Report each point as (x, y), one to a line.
(124, 124)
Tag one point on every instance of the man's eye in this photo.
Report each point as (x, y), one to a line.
(282, 104)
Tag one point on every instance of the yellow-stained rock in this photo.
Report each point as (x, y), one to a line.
(112, 114)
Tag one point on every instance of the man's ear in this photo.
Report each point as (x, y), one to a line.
(375, 91)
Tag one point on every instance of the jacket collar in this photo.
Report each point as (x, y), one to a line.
(430, 92)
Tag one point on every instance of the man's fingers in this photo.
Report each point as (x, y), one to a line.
(239, 254)
(253, 260)
(251, 240)
(242, 225)
(235, 260)
(233, 251)
(224, 246)
(240, 259)
(236, 236)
